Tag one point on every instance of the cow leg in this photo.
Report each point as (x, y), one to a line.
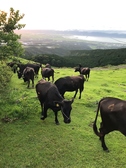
(28, 83)
(56, 118)
(102, 138)
(44, 111)
(76, 93)
(36, 75)
(53, 78)
(103, 143)
(80, 94)
(33, 83)
(86, 77)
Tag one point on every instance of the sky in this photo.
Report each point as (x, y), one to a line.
(70, 14)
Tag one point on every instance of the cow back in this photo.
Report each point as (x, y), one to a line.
(46, 72)
(113, 113)
(47, 91)
(70, 83)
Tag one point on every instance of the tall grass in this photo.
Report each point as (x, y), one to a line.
(27, 141)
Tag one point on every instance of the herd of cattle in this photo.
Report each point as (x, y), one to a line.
(51, 95)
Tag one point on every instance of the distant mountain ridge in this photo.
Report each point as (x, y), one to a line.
(98, 33)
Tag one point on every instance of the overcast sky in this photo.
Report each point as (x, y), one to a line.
(70, 14)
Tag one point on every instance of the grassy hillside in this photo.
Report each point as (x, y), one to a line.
(27, 141)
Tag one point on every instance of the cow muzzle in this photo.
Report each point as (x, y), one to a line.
(67, 121)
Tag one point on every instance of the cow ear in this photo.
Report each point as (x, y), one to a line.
(57, 103)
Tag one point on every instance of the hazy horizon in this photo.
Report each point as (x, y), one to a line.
(74, 29)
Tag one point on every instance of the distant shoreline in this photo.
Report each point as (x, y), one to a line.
(99, 39)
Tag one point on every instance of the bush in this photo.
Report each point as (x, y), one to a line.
(5, 77)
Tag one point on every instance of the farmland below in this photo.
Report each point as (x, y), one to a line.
(65, 48)
(63, 42)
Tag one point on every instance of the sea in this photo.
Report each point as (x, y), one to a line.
(100, 39)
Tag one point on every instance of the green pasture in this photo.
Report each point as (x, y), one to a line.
(27, 141)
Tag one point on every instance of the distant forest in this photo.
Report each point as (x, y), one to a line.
(90, 58)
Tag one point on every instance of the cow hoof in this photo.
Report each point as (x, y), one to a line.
(58, 123)
(42, 118)
(106, 150)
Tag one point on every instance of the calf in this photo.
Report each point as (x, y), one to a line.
(28, 74)
(50, 97)
(83, 71)
(70, 83)
(113, 116)
(47, 73)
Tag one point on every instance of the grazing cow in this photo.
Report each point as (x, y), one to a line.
(13, 66)
(28, 74)
(70, 83)
(50, 97)
(47, 73)
(84, 71)
(113, 116)
(36, 68)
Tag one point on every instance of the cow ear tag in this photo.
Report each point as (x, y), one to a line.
(57, 105)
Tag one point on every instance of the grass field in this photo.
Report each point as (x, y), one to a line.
(27, 141)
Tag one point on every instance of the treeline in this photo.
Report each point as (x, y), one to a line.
(90, 58)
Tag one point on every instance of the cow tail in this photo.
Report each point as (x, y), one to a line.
(94, 124)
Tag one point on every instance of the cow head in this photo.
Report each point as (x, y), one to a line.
(77, 69)
(25, 79)
(66, 108)
(19, 74)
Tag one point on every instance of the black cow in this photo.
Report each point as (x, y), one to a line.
(113, 115)
(13, 65)
(36, 68)
(47, 73)
(70, 83)
(84, 71)
(50, 97)
(28, 74)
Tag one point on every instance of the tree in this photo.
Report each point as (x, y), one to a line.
(9, 40)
